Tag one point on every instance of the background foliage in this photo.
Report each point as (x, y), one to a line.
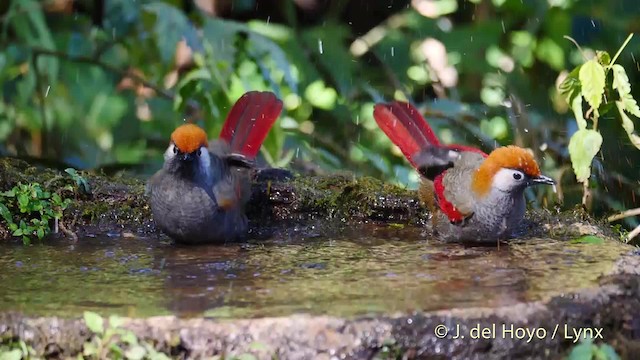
(101, 84)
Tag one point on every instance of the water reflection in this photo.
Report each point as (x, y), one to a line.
(363, 270)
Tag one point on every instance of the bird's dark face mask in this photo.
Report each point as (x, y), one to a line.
(187, 164)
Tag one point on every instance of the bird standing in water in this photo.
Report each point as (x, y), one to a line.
(200, 193)
(480, 196)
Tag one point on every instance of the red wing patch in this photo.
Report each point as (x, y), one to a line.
(447, 208)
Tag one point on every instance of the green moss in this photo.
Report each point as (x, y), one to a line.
(120, 202)
(343, 195)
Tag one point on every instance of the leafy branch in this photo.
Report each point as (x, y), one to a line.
(124, 73)
(591, 81)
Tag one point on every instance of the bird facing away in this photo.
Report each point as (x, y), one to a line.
(480, 196)
(201, 191)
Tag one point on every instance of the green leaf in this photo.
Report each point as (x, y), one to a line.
(327, 43)
(583, 147)
(81, 182)
(550, 52)
(603, 57)
(320, 95)
(23, 200)
(115, 321)
(588, 239)
(592, 79)
(630, 105)
(5, 213)
(576, 106)
(129, 338)
(246, 356)
(89, 349)
(10, 193)
(171, 26)
(136, 352)
(608, 352)
(262, 46)
(94, 322)
(258, 346)
(220, 36)
(621, 80)
(583, 351)
(15, 354)
(628, 126)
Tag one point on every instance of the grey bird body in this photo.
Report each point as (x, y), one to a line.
(488, 217)
(186, 202)
(199, 195)
(475, 197)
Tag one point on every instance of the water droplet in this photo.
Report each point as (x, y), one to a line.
(392, 51)
(320, 46)
(47, 92)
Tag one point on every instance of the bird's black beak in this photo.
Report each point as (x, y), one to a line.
(187, 156)
(542, 180)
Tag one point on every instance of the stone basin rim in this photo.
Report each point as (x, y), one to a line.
(322, 336)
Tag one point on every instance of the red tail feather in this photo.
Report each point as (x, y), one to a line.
(249, 122)
(406, 128)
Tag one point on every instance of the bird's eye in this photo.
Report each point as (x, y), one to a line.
(517, 176)
(175, 149)
(198, 152)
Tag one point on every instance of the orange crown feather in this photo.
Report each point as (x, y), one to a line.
(189, 138)
(511, 157)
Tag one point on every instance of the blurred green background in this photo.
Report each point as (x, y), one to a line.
(101, 84)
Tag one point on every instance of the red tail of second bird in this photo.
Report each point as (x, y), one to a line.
(249, 122)
(406, 128)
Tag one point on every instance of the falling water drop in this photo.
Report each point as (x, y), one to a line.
(393, 51)
(320, 46)
(47, 92)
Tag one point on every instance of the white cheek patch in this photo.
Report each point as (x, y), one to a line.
(170, 152)
(204, 162)
(504, 180)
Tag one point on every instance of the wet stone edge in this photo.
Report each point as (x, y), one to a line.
(611, 307)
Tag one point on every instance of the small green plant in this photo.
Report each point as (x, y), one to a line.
(39, 208)
(587, 350)
(81, 182)
(604, 85)
(16, 350)
(114, 342)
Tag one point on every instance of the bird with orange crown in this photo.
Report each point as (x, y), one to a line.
(480, 196)
(201, 191)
